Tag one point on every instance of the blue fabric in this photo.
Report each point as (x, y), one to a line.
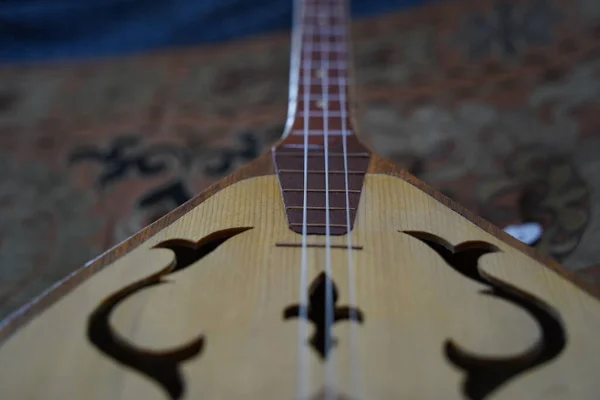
(36, 30)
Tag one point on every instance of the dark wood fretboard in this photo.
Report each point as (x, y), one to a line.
(320, 164)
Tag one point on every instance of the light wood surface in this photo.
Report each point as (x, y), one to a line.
(411, 299)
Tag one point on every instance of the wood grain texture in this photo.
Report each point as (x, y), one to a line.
(411, 300)
(259, 167)
(381, 166)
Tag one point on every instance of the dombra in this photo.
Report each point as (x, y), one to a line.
(318, 271)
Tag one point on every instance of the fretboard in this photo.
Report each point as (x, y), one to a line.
(319, 86)
(320, 163)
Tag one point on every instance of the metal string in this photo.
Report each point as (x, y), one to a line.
(329, 365)
(354, 356)
(303, 364)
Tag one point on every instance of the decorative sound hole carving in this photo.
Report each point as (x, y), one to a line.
(486, 374)
(160, 366)
(316, 312)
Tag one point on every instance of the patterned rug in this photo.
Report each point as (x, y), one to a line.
(495, 103)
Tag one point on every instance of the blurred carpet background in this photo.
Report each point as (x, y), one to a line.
(495, 103)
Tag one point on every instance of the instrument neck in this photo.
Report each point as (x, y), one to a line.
(319, 104)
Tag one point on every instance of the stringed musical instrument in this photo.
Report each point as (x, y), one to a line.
(318, 271)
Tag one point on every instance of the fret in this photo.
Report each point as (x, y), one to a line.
(337, 31)
(328, 47)
(320, 114)
(316, 122)
(317, 197)
(293, 169)
(336, 65)
(338, 60)
(335, 124)
(319, 208)
(316, 75)
(326, 22)
(293, 183)
(355, 191)
(321, 154)
(320, 164)
(294, 160)
(338, 12)
(301, 171)
(301, 146)
(322, 73)
(321, 106)
(316, 90)
(331, 24)
(321, 132)
(321, 16)
(315, 96)
(321, 40)
(335, 78)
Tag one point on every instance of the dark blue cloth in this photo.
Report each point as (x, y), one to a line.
(36, 30)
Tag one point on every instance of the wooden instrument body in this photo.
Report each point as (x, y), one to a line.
(221, 299)
(412, 302)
